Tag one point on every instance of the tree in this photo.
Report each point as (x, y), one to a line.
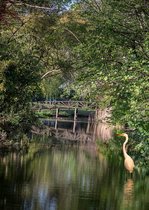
(115, 52)
(113, 58)
(27, 51)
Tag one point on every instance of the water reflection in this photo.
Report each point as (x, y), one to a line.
(128, 193)
(66, 178)
(80, 132)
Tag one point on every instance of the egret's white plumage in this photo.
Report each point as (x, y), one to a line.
(128, 162)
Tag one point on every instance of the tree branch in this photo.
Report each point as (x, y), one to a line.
(34, 6)
(72, 34)
(49, 72)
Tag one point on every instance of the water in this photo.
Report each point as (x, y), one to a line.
(69, 178)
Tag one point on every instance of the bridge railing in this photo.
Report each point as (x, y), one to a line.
(66, 104)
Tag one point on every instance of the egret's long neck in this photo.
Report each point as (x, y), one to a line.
(124, 147)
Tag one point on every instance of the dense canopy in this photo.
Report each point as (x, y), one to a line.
(98, 49)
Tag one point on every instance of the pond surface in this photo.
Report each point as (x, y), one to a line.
(69, 178)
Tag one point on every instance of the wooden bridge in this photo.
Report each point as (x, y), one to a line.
(74, 106)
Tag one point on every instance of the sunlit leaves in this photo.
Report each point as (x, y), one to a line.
(114, 57)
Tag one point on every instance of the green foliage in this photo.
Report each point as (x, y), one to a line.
(44, 114)
(19, 82)
(30, 46)
(51, 87)
(96, 51)
(140, 150)
(114, 64)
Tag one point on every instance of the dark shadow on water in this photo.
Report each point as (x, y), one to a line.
(68, 178)
(64, 171)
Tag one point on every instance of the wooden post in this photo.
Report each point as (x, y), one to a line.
(74, 126)
(75, 119)
(57, 112)
(95, 125)
(88, 124)
(75, 113)
(56, 117)
(96, 115)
